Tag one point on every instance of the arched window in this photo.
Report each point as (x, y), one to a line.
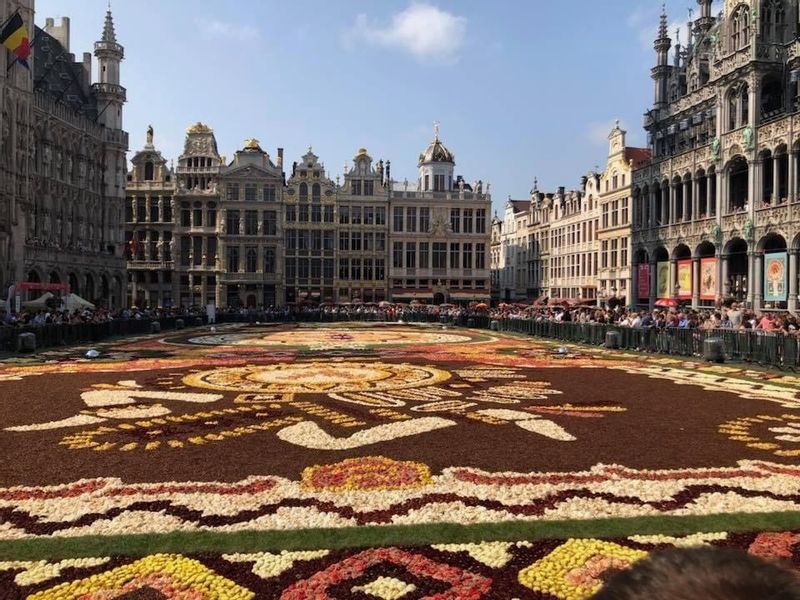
(304, 191)
(740, 27)
(744, 94)
(773, 19)
(148, 171)
(315, 192)
(733, 109)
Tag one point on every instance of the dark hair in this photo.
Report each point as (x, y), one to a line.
(702, 574)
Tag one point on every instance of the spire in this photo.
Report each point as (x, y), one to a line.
(662, 27)
(108, 29)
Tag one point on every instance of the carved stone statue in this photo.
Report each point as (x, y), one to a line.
(715, 148)
(149, 135)
(749, 229)
(716, 232)
(747, 136)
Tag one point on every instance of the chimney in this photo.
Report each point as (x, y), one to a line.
(280, 158)
(87, 68)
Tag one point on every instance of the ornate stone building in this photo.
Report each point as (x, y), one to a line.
(310, 232)
(439, 234)
(511, 252)
(149, 225)
(716, 213)
(62, 163)
(362, 208)
(614, 228)
(251, 230)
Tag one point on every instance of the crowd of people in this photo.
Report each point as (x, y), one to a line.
(732, 317)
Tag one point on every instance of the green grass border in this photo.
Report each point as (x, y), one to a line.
(52, 548)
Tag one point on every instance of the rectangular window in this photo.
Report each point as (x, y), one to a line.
(438, 183)
(356, 183)
(623, 252)
(316, 268)
(480, 220)
(423, 255)
(303, 239)
(480, 256)
(344, 268)
(380, 215)
(369, 215)
(455, 220)
(316, 213)
(291, 269)
(316, 241)
(232, 221)
(186, 250)
(625, 210)
(291, 241)
(439, 255)
(269, 259)
(380, 241)
(344, 215)
(167, 210)
(128, 209)
(211, 216)
(454, 255)
(270, 222)
(355, 269)
(355, 215)
(614, 253)
(233, 259)
(397, 255)
(380, 269)
(369, 190)
(327, 268)
(398, 219)
(302, 268)
(153, 210)
(141, 209)
(328, 241)
(369, 241)
(411, 255)
(368, 269)
(250, 192)
(355, 241)
(269, 193)
(467, 260)
(344, 241)
(604, 252)
(424, 219)
(251, 222)
(197, 216)
(212, 251)
(468, 220)
(186, 215)
(250, 259)
(302, 213)
(411, 219)
(291, 213)
(197, 251)
(427, 183)
(327, 214)
(233, 191)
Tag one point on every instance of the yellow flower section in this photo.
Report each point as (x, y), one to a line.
(560, 572)
(182, 573)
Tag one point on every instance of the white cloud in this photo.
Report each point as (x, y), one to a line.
(214, 28)
(426, 32)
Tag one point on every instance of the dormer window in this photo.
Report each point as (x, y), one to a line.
(148, 171)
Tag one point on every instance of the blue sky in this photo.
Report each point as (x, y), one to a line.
(522, 89)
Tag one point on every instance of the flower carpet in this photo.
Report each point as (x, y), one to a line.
(379, 461)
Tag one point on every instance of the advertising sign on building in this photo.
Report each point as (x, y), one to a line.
(775, 277)
(685, 278)
(663, 287)
(708, 278)
(644, 280)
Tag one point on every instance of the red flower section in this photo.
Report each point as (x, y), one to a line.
(463, 584)
(773, 546)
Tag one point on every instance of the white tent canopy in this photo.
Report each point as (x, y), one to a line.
(73, 302)
(39, 303)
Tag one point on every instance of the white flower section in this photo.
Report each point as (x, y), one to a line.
(386, 588)
(267, 565)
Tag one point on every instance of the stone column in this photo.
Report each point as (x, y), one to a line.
(755, 194)
(633, 285)
(664, 204)
(673, 197)
(720, 199)
(723, 285)
(757, 283)
(695, 282)
(652, 217)
(792, 305)
(653, 281)
(776, 178)
(686, 195)
(161, 209)
(750, 270)
(696, 197)
(673, 277)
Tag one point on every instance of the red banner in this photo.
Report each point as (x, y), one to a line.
(644, 280)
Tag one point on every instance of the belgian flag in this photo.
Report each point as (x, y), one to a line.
(14, 36)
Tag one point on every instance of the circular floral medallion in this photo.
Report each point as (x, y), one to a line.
(332, 338)
(317, 377)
